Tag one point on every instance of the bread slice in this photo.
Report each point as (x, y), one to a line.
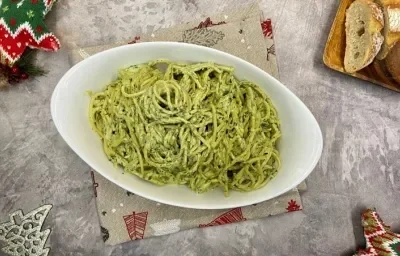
(391, 31)
(392, 62)
(364, 22)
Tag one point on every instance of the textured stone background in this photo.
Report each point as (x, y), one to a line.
(360, 166)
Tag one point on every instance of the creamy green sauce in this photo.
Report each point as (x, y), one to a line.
(195, 125)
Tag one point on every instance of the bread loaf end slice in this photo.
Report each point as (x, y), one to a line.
(364, 22)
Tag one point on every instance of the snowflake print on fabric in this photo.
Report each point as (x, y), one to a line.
(381, 241)
(234, 215)
(293, 206)
(21, 26)
(266, 26)
(136, 225)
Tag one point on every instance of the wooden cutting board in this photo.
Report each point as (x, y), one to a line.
(335, 47)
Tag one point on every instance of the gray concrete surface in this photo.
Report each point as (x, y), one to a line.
(360, 166)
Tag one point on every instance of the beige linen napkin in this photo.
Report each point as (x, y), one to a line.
(125, 216)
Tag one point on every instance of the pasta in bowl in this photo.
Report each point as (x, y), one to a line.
(194, 125)
(215, 130)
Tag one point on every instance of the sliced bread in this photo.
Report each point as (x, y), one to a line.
(364, 22)
(393, 62)
(391, 31)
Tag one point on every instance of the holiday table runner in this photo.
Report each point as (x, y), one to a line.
(125, 216)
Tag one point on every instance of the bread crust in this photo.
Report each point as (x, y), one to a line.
(391, 10)
(377, 13)
(392, 62)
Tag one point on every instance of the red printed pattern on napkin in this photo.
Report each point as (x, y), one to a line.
(293, 206)
(136, 225)
(232, 216)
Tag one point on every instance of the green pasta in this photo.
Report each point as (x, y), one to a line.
(193, 124)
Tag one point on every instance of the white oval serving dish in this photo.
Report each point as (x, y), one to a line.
(300, 146)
